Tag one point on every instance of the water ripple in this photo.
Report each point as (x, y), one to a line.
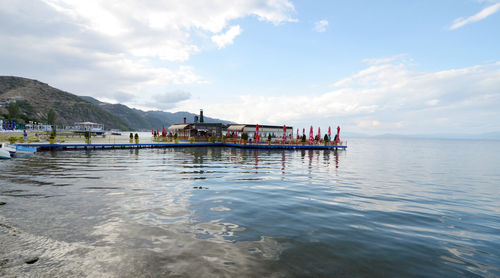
(370, 211)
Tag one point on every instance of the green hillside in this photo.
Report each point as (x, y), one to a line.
(35, 99)
(147, 120)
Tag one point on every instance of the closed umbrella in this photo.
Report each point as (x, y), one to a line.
(319, 133)
(297, 133)
(329, 133)
(311, 135)
(284, 133)
(257, 137)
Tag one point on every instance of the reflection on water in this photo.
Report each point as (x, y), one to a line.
(212, 212)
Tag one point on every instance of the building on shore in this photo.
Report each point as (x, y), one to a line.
(82, 127)
(31, 126)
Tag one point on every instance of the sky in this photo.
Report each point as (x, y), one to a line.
(371, 67)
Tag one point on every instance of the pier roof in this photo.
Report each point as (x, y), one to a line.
(179, 126)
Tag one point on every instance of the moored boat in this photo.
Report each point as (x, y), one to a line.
(4, 154)
(7, 151)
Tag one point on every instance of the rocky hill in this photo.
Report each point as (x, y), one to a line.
(138, 119)
(35, 99)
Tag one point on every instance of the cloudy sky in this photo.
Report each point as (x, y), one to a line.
(407, 67)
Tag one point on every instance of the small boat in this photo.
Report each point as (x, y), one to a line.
(4, 154)
(7, 151)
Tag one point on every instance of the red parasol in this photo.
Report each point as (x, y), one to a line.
(257, 137)
(329, 133)
(297, 133)
(311, 136)
(319, 133)
(284, 133)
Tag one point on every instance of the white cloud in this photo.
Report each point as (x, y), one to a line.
(164, 29)
(381, 98)
(167, 100)
(484, 13)
(432, 102)
(384, 60)
(226, 38)
(116, 49)
(320, 26)
(368, 123)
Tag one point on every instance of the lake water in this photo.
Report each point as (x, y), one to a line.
(381, 208)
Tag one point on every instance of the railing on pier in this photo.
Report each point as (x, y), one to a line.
(43, 147)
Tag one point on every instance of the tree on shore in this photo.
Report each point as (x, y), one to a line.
(13, 109)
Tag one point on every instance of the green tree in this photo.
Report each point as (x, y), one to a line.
(13, 111)
(51, 117)
(244, 136)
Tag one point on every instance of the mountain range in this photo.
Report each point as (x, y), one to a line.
(35, 99)
(455, 136)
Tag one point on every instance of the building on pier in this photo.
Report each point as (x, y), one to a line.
(199, 129)
(275, 131)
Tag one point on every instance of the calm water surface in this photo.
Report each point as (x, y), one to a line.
(382, 208)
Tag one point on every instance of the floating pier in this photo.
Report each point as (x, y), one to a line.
(63, 147)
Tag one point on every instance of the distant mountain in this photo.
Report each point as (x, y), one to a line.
(35, 99)
(147, 120)
(482, 136)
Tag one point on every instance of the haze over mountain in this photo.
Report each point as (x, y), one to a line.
(139, 119)
(36, 98)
